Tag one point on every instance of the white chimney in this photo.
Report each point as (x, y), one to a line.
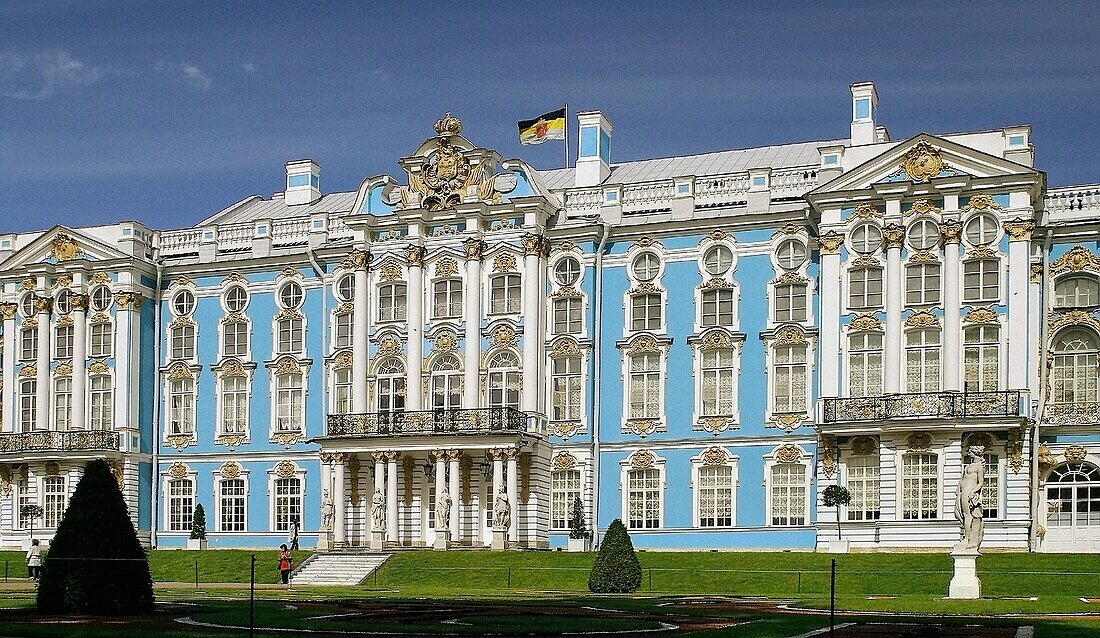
(303, 182)
(864, 109)
(594, 154)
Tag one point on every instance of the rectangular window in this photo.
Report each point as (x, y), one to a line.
(54, 501)
(25, 499)
(102, 342)
(183, 342)
(288, 503)
(865, 364)
(343, 325)
(28, 344)
(101, 402)
(504, 387)
(991, 489)
(391, 391)
(63, 342)
(716, 387)
(715, 496)
(981, 349)
(645, 386)
(448, 298)
(504, 294)
(982, 281)
(645, 312)
(922, 361)
(718, 308)
(290, 336)
(236, 339)
(567, 316)
(234, 405)
(181, 505)
(565, 488)
(788, 494)
(391, 302)
(566, 389)
(341, 392)
(865, 288)
(922, 284)
(920, 486)
(288, 402)
(863, 484)
(233, 505)
(790, 302)
(790, 379)
(28, 404)
(644, 499)
(63, 404)
(182, 414)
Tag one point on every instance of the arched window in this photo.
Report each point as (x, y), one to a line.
(922, 361)
(790, 302)
(865, 364)
(446, 383)
(865, 288)
(1074, 369)
(982, 280)
(981, 360)
(448, 298)
(1077, 291)
(1073, 495)
(504, 294)
(181, 505)
(504, 381)
(391, 386)
(718, 308)
(790, 379)
(391, 301)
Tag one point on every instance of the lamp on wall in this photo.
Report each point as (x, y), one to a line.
(486, 468)
(429, 469)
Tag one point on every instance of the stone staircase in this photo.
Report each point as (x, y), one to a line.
(337, 568)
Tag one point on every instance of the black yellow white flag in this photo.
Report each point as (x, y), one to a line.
(548, 126)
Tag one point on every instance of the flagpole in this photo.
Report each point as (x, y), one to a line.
(567, 134)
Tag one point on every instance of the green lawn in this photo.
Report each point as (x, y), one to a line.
(214, 565)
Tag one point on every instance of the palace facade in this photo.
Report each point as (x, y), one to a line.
(697, 345)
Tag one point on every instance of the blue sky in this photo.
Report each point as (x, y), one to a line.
(167, 112)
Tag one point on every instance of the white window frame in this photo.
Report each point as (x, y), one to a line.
(770, 461)
(107, 405)
(555, 492)
(1060, 295)
(62, 403)
(624, 488)
(865, 304)
(850, 352)
(983, 273)
(1081, 387)
(223, 334)
(50, 508)
(218, 505)
(791, 298)
(399, 310)
(341, 391)
(650, 322)
(185, 521)
(63, 339)
(925, 350)
(386, 380)
(874, 460)
(343, 330)
(507, 297)
(570, 319)
(659, 402)
(272, 497)
(220, 380)
(107, 346)
(700, 372)
(451, 308)
(924, 294)
(290, 347)
(169, 391)
(277, 391)
(732, 462)
(28, 404)
(498, 378)
(983, 350)
(936, 451)
(715, 299)
(449, 380)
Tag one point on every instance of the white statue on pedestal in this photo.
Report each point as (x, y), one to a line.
(443, 510)
(328, 512)
(968, 500)
(378, 511)
(502, 511)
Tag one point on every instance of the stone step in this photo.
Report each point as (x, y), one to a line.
(337, 568)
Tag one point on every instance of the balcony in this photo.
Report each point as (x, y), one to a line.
(925, 405)
(458, 422)
(1084, 413)
(60, 441)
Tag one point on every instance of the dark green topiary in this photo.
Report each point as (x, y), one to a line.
(198, 523)
(577, 526)
(96, 526)
(835, 496)
(616, 570)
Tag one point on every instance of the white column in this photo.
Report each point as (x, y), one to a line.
(326, 489)
(952, 308)
(359, 321)
(472, 312)
(391, 497)
(532, 246)
(1019, 241)
(7, 311)
(893, 235)
(513, 493)
(125, 354)
(414, 399)
(456, 509)
(498, 472)
(42, 396)
(379, 478)
(339, 527)
(829, 245)
(80, 356)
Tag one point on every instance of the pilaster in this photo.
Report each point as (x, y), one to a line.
(42, 394)
(80, 356)
(359, 329)
(892, 236)
(472, 310)
(532, 248)
(1019, 263)
(829, 246)
(414, 399)
(950, 232)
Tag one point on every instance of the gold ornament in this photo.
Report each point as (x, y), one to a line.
(504, 262)
(356, 260)
(230, 470)
(448, 125)
(98, 367)
(918, 442)
(446, 267)
(532, 244)
(864, 445)
(922, 319)
(178, 470)
(504, 336)
(826, 443)
(564, 461)
(473, 248)
(788, 453)
(286, 469)
(642, 460)
(951, 231)
(288, 366)
(1019, 229)
(415, 255)
(893, 236)
(980, 315)
(830, 242)
(714, 457)
(64, 248)
(1076, 258)
(981, 201)
(866, 210)
(922, 162)
(1046, 459)
(1075, 453)
(865, 323)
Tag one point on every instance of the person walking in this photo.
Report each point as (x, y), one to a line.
(34, 560)
(286, 563)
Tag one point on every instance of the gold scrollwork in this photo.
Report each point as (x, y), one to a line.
(981, 201)
(951, 231)
(918, 442)
(64, 248)
(923, 206)
(864, 445)
(714, 456)
(564, 461)
(893, 236)
(922, 162)
(1019, 229)
(1076, 258)
(830, 242)
(922, 319)
(473, 249)
(787, 453)
(642, 459)
(415, 255)
(866, 210)
(446, 267)
(980, 315)
(865, 323)
(504, 262)
(1075, 453)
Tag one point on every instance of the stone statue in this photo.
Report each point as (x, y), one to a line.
(502, 511)
(378, 511)
(443, 510)
(968, 500)
(328, 512)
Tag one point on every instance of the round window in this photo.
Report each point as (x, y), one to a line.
(183, 303)
(291, 295)
(718, 260)
(101, 298)
(63, 303)
(345, 288)
(923, 234)
(866, 238)
(236, 299)
(567, 271)
(26, 306)
(981, 230)
(791, 254)
(646, 266)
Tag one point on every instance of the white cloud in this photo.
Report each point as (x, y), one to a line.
(44, 74)
(250, 67)
(192, 75)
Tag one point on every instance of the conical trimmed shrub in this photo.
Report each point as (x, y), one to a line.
(198, 523)
(616, 570)
(95, 564)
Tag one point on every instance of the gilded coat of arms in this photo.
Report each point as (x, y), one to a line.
(922, 162)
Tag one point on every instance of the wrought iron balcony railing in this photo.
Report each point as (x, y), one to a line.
(429, 422)
(1082, 413)
(1004, 403)
(60, 441)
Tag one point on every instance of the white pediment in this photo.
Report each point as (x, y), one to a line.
(59, 245)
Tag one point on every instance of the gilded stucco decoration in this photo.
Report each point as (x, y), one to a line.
(564, 461)
(922, 257)
(53, 468)
(42, 304)
(5, 480)
(646, 287)
(981, 201)
(98, 367)
(981, 252)
(643, 344)
(63, 248)
(104, 278)
(787, 453)
(788, 421)
(504, 262)
(922, 162)
(1045, 458)
(1036, 273)
(504, 336)
(234, 278)
(830, 242)
(951, 231)
(448, 174)
(717, 283)
(289, 313)
(715, 235)
(343, 360)
(641, 427)
(864, 323)
(1076, 258)
(714, 456)
(532, 244)
(893, 236)
(473, 248)
(717, 340)
(1075, 453)
(345, 308)
(408, 467)
(644, 241)
(66, 320)
(563, 429)
(178, 282)
(980, 315)
(523, 464)
(864, 446)
(389, 344)
(866, 210)
(827, 444)
(285, 469)
(63, 369)
(918, 442)
(415, 255)
(288, 365)
(922, 319)
(445, 342)
(232, 368)
(230, 470)
(355, 260)
(289, 272)
(565, 346)
(27, 284)
(716, 424)
(566, 292)
(642, 460)
(231, 441)
(1072, 318)
(791, 278)
(788, 336)
(7, 310)
(923, 206)
(99, 318)
(287, 439)
(117, 471)
(28, 371)
(390, 270)
(64, 281)
(78, 301)
(30, 323)
(791, 229)
(1019, 229)
(1015, 449)
(446, 267)
(129, 300)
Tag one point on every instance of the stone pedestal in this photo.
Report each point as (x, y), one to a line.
(377, 539)
(500, 539)
(196, 543)
(578, 545)
(965, 583)
(442, 539)
(839, 546)
(324, 541)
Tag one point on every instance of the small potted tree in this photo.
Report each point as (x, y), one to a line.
(579, 536)
(835, 496)
(31, 512)
(198, 529)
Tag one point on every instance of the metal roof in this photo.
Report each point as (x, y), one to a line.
(254, 208)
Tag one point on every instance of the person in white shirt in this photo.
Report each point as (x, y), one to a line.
(34, 560)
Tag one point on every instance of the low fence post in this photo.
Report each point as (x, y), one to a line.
(832, 599)
(196, 573)
(800, 581)
(252, 599)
